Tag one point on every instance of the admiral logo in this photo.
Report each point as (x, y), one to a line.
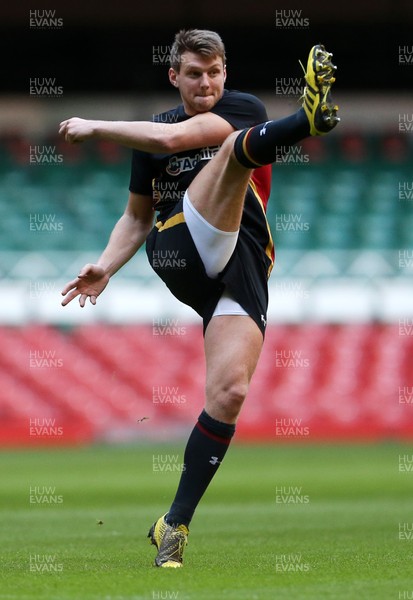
(178, 165)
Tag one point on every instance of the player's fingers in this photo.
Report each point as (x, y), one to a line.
(82, 299)
(93, 300)
(69, 286)
(62, 127)
(70, 297)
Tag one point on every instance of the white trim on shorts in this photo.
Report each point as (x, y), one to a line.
(215, 247)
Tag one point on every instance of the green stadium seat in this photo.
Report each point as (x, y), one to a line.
(334, 231)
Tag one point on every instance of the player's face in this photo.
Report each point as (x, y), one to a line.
(200, 81)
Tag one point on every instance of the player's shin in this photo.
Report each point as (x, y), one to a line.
(204, 453)
(264, 143)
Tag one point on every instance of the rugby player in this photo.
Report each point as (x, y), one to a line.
(215, 150)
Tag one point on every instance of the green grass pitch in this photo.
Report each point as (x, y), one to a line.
(279, 522)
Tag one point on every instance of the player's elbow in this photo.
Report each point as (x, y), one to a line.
(169, 142)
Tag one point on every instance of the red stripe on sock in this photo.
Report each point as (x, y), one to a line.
(213, 436)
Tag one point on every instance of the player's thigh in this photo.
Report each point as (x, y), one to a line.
(218, 190)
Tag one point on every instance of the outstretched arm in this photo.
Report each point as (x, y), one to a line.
(206, 129)
(128, 235)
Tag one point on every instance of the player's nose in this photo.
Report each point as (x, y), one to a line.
(204, 81)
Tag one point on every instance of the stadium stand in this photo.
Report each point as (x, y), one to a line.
(340, 208)
(103, 382)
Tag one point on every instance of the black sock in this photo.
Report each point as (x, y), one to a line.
(204, 452)
(262, 144)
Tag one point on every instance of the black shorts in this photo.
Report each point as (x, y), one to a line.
(174, 257)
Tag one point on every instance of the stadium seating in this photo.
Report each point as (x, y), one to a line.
(314, 382)
(351, 201)
(345, 195)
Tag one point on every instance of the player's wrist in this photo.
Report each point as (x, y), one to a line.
(97, 129)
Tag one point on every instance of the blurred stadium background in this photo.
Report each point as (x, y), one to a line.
(337, 363)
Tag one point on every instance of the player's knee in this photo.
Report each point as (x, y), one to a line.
(228, 397)
(228, 145)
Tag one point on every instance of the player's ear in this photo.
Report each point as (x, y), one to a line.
(225, 73)
(172, 74)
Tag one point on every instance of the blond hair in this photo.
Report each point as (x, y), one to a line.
(199, 41)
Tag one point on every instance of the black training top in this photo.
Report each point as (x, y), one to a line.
(167, 176)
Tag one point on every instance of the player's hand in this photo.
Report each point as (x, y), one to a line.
(76, 129)
(90, 282)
